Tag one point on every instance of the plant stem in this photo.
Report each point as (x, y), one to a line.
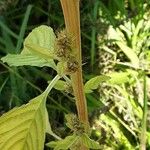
(144, 119)
(51, 85)
(67, 79)
(72, 22)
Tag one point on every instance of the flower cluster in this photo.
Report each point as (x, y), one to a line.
(64, 51)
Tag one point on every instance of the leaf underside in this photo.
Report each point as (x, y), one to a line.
(27, 59)
(23, 128)
(42, 36)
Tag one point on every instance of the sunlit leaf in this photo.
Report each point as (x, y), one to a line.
(136, 31)
(93, 83)
(41, 51)
(129, 53)
(115, 34)
(118, 37)
(119, 77)
(23, 128)
(42, 36)
(27, 59)
(38, 49)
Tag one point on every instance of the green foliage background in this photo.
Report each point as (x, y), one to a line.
(115, 37)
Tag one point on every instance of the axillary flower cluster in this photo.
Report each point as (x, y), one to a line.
(65, 52)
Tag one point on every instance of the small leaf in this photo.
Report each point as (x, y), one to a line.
(60, 85)
(23, 128)
(27, 59)
(89, 142)
(93, 83)
(64, 144)
(61, 68)
(119, 77)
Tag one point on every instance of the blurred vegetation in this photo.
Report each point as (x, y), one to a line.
(115, 42)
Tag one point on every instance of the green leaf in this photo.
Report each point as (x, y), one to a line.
(43, 36)
(27, 59)
(61, 67)
(93, 103)
(115, 34)
(119, 77)
(64, 144)
(93, 83)
(112, 126)
(89, 142)
(73, 141)
(60, 85)
(38, 49)
(148, 138)
(136, 31)
(129, 53)
(23, 128)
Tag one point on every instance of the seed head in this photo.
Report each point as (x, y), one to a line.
(63, 44)
(72, 65)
